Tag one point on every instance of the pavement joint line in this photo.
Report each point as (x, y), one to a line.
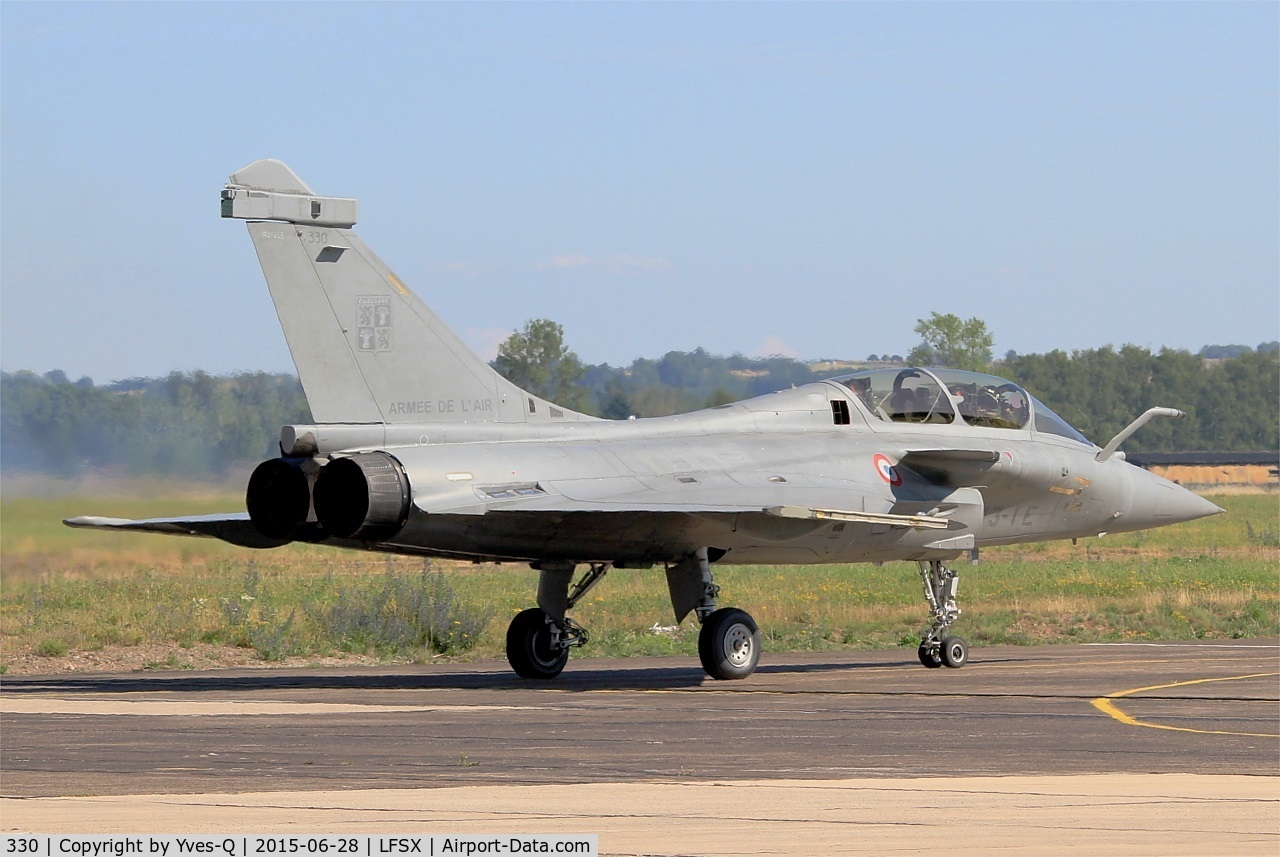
(77, 684)
(655, 814)
(907, 669)
(187, 707)
(1188, 645)
(1106, 706)
(155, 709)
(956, 694)
(718, 688)
(924, 785)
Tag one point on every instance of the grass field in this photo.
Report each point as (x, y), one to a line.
(77, 599)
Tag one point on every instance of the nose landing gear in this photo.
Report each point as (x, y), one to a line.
(938, 648)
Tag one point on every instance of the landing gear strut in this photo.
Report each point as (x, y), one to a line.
(539, 639)
(938, 648)
(729, 641)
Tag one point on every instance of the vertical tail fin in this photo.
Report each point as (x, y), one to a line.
(367, 349)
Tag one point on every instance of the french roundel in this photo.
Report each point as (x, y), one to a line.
(885, 468)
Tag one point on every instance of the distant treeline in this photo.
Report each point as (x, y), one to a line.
(189, 425)
(683, 381)
(1231, 403)
(199, 425)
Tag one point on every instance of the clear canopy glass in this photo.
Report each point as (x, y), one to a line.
(940, 395)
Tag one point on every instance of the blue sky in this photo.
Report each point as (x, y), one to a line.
(807, 179)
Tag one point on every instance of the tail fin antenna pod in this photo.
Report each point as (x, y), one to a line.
(367, 349)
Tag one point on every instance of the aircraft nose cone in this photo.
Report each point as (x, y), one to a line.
(1180, 505)
(1157, 502)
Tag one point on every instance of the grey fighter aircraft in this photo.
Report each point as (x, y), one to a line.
(420, 448)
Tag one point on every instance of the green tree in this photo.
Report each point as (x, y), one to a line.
(537, 360)
(613, 401)
(952, 342)
(720, 397)
(1231, 403)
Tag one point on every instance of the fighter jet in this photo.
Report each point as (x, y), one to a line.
(419, 447)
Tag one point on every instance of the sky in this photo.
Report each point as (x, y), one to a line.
(755, 178)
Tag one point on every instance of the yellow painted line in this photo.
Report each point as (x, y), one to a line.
(1106, 706)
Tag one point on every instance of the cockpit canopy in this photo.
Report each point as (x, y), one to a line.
(939, 395)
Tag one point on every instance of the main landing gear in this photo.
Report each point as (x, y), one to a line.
(537, 646)
(539, 639)
(938, 648)
(729, 644)
(729, 641)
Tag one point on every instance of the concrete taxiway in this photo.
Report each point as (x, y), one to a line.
(1135, 749)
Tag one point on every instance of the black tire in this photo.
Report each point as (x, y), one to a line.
(930, 655)
(729, 644)
(529, 648)
(955, 652)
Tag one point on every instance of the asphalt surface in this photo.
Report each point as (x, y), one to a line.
(1188, 708)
